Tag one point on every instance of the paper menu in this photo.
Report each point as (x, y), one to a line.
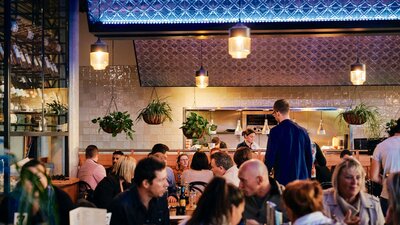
(87, 216)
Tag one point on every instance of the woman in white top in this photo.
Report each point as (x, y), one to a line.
(199, 169)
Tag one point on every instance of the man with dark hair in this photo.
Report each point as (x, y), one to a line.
(289, 147)
(91, 172)
(144, 202)
(115, 157)
(160, 151)
(222, 165)
(242, 154)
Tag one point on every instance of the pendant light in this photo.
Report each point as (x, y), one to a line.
(238, 130)
(358, 73)
(201, 74)
(265, 129)
(99, 55)
(239, 39)
(321, 130)
(358, 70)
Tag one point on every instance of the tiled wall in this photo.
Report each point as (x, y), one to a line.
(95, 94)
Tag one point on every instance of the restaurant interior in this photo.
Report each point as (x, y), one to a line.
(183, 53)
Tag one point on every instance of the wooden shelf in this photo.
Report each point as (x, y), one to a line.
(36, 134)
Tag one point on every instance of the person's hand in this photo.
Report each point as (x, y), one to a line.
(351, 220)
(252, 222)
(172, 199)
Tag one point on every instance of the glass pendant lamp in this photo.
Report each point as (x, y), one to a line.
(321, 130)
(99, 55)
(239, 39)
(201, 74)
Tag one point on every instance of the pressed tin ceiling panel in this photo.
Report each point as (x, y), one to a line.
(274, 61)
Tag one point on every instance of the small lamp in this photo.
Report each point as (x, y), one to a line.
(99, 55)
(239, 41)
(265, 129)
(201, 78)
(321, 130)
(357, 73)
(238, 130)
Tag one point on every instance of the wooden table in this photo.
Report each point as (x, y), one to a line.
(70, 186)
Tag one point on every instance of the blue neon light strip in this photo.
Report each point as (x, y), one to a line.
(229, 11)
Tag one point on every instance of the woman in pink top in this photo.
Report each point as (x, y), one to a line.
(199, 169)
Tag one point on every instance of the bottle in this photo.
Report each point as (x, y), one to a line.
(182, 202)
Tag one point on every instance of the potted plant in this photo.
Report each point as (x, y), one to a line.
(57, 107)
(195, 126)
(361, 114)
(116, 122)
(156, 112)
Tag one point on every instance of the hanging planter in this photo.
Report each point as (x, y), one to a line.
(115, 122)
(195, 126)
(353, 119)
(156, 112)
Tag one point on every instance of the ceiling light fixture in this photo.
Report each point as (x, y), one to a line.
(201, 74)
(358, 70)
(239, 39)
(99, 55)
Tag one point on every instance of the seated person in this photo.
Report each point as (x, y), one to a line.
(222, 165)
(182, 164)
(303, 202)
(145, 202)
(115, 156)
(199, 170)
(37, 197)
(91, 172)
(242, 154)
(258, 189)
(119, 180)
(323, 174)
(221, 203)
(160, 151)
(347, 201)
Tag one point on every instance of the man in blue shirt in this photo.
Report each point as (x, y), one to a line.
(289, 147)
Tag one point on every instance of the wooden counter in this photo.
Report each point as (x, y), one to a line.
(70, 186)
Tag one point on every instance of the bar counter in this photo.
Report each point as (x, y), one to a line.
(70, 186)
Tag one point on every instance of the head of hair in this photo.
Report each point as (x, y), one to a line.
(247, 132)
(345, 164)
(27, 175)
(222, 159)
(91, 151)
(215, 204)
(223, 145)
(281, 106)
(393, 186)
(345, 152)
(199, 161)
(178, 159)
(32, 163)
(242, 154)
(159, 148)
(146, 170)
(124, 168)
(303, 197)
(215, 140)
(394, 129)
(118, 152)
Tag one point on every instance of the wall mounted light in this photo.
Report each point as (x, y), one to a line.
(201, 74)
(358, 73)
(99, 56)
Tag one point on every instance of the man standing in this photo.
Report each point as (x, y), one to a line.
(115, 157)
(222, 165)
(91, 172)
(144, 202)
(289, 147)
(258, 189)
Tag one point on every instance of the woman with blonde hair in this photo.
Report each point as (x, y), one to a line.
(347, 200)
(119, 180)
(303, 203)
(393, 186)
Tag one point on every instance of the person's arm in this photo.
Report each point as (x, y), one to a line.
(374, 171)
(270, 152)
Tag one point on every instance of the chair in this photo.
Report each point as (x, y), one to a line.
(197, 186)
(85, 191)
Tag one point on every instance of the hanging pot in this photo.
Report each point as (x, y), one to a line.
(191, 135)
(153, 119)
(353, 119)
(110, 130)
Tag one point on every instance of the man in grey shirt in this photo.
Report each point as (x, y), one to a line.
(258, 189)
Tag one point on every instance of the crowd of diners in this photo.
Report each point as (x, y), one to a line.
(236, 189)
